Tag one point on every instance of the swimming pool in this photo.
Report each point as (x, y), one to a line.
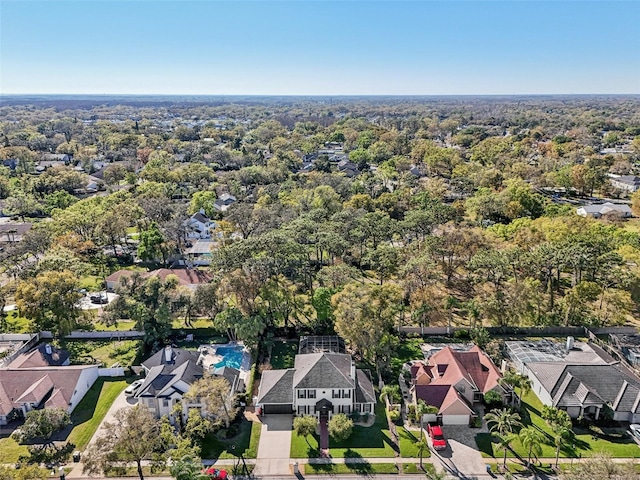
(231, 356)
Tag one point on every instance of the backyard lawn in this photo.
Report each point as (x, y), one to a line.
(283, 354)
(179, 323)
(119, 325)
(373, 441)
(616, 444)
(91, 410)
(16, 323)
(107, 352)
(246, 442)
(92, 283)
(409, 349)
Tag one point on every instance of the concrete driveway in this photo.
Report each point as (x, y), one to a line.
(462, 457)
(121, 401)
(275, 445)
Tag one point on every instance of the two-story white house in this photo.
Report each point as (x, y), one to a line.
(319, 384)
(169, 375)
(199, 226)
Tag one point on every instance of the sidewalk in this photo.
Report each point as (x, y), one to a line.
(78, 475)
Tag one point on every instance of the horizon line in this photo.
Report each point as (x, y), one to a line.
(315, 94)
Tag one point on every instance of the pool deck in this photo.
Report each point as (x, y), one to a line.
(211, 357)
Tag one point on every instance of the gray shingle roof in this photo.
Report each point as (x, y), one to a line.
(200, 217)
(276, 386)
(178, 356)
(323, 370)
(588, 384)
(161, 380)
(364, 388)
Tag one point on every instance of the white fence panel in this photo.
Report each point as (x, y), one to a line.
(111, 372)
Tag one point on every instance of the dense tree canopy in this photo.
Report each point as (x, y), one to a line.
(355, 217)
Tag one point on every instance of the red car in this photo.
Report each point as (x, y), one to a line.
(215, 473)
(437, 439)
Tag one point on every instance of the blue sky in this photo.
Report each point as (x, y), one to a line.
(319, 47)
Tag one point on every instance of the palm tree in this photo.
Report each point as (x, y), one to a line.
(560, 423)
(562, 434)
(503, 423)
(421, 445)
(514, 380)
(390, 392)
(525, 385)
(505, 443)
(421, 410)
(531, 439)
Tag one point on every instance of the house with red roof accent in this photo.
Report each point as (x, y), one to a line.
(453, 381)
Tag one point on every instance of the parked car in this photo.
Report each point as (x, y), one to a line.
(216, 473)
(634, 428)
(133, 388)
(437, 438)
(99, 298)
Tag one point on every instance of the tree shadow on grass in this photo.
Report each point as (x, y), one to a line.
(484, 443)
(326, 468)
(217, 443)
(357, 463)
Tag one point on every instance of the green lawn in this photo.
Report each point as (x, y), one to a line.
(107, 352)
(283, 354)
(373, 441)
(94, 406)
(359, 468)
(178, 323)
(409, 349)
(119, 325)
(617, 444)
(10, 450)
(86, 418)
(92, 283)
(408, 447)
(16, 323)
(415, 468)
(246, 442)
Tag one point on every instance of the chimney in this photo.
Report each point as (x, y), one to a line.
(47, 348)
(353, 370)
(569, 344)
(168, 354)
